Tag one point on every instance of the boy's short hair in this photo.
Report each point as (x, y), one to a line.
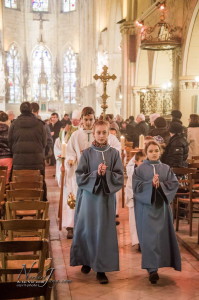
(100, 123)
(25, 108)
(87, 111)
(55, 114)
(111, 128)
(139, 154)
(3, 116)
(34, 107)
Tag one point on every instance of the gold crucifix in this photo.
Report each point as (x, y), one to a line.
(104, 77)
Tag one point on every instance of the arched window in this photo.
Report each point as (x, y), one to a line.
(68, 5)
(11, 4)
(41, 74)
(13, 63)
(40, 5)
(70, 76)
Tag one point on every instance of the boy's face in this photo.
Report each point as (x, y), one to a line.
(101, 133)
(140, 160)
(88, 121)
(111, 131)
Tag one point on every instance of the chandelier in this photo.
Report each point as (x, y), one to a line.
(162, 36)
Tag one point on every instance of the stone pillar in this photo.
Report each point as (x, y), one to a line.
(127, 29)
(2, 76)
(189, 97)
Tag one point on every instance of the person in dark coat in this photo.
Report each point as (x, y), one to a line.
(5, 152)
(99, 176)
(140, 128)
(27, 140)
(176, 151)
(176, 118)
(154, 187)
(55, 127)
(160, 129)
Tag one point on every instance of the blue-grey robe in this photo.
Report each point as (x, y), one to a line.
(153, 216)
(95, 237)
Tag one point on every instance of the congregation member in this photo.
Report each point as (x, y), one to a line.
(140, 128)
(65, 119)
(5, 152)
(27, 140)
(160, 128)
(99, 176)
(55, 127)
(152, 119)
(154, 187)
(49, 145)
(193, 135)
(176, 151)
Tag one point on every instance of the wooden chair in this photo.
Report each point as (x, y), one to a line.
(183, 190)
(26, 185)
(16, 229)
(18, 257)
(25, 172)
(35, 209)
(27, 178)
(195, 158)
(24, 194)
(2, 196)
(15, 290)
(189, 202)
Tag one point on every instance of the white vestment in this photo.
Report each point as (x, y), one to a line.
(57, 153)
(79, 141)
(130, 202)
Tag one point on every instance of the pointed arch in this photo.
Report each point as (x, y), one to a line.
(70, 75)
(13, 74)
(41, 68)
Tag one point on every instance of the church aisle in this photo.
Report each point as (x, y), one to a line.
(131, 282)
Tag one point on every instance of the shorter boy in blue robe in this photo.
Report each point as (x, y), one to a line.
(154, 187)
(99, 176)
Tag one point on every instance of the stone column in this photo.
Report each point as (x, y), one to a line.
(2, 76)
(127, 29)
(189, 97)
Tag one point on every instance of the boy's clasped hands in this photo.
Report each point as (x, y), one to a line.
(156, 181)
(102, 169)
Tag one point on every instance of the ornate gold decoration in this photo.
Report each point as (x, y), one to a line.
(71, 201)
(104, 77)
(162, 36)
(156, 101)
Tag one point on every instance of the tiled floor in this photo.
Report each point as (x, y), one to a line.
(131, 282)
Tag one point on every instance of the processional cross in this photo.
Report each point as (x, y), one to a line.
(104, 77)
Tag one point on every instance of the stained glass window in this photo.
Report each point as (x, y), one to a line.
(41, 74)
(13, 67)
(40, 5)
(11, 4)
(70, 76)
(68, 5)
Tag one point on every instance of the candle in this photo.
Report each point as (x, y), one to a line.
(63, 150)
(141, 141)
(122, 141)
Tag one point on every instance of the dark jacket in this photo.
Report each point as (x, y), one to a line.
(27, 140)
(140, 128)
(56, 129)
(176, 152)
(4, 148)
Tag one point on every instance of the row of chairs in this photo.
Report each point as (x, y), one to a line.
(24, 235)
(186, 202)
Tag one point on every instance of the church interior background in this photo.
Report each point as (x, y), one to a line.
(51, 49)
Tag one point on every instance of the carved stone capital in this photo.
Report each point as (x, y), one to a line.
(127, 27)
